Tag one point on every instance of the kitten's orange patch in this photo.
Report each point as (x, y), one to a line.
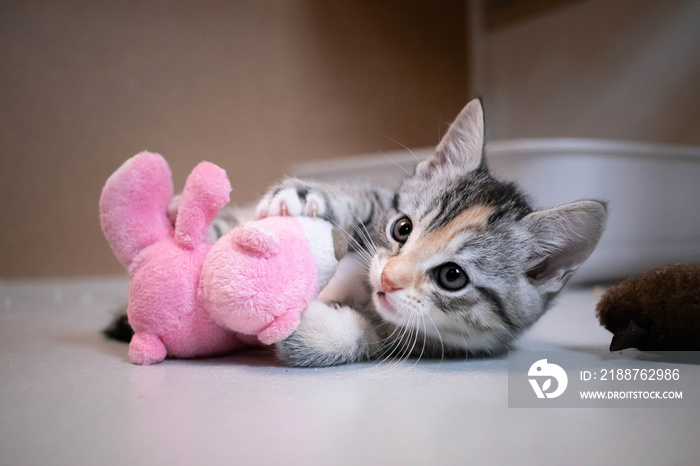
(405, 271)
(474, 218)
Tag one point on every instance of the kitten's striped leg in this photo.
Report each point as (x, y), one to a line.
(355, 208)
(328, 336)
(227, 219)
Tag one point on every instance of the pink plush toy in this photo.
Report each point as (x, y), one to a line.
(189, 298)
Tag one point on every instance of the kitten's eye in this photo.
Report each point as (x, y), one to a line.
(402, 229)
(451, 277)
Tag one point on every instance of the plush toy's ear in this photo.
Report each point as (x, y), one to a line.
(133, 205)
(256, 240)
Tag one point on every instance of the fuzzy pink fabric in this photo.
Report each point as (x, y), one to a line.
(253, 286)
(165, 263)
(187, 298)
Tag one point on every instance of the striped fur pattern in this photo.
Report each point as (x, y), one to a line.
(455, 263)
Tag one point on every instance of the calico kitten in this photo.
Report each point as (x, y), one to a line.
(455, 263)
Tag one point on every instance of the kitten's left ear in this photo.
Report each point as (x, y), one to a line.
(564, 237)
(462, 147)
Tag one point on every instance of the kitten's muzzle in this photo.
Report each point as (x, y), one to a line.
(388, 285)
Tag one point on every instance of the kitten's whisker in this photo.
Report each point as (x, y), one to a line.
(368, 236)
(442, 345)
(466, 344)
(401, 355)
(367, 246)
(390, 348)
(415, 340)
(425, 338)
(404, 146)
(379, 345)
(508, 329)
(405, 354)
(383, 344)
(439, 130)
(366, 259)
(360, 249)
(395, 345)
(397, 328)
(394, 162)
(366, 256)
(404, 331)
(368, 253)
(363, 233)
(391, 341)
(391, 358)
(392, 181)
(358, 246)
(386, 339)
(411, 332)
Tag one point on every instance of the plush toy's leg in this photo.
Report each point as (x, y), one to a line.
(133, 205)
(280, 328)
(146, 349)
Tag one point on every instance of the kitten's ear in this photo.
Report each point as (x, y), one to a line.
(462, 147)
(563, 237)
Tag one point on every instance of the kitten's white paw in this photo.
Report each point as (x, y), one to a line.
(327, 335)
(286, 202)
(292, 201)
(330, 328)
(315, 206)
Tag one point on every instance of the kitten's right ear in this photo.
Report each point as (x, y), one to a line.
(563, 238)
(462, 147)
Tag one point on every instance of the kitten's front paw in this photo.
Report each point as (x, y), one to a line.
(327, 335)
(293, 198)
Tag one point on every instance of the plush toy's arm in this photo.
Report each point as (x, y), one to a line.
(206, 191)
(255, 239)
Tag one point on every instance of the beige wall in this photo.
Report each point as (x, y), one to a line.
(622, 69)
(251, 85)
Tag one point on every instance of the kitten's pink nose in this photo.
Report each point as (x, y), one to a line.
(388, 285)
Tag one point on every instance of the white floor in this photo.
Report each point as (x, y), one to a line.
(68, 396)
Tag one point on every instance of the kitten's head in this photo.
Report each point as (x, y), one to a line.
(464, 255)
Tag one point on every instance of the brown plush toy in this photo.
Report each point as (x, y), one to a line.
(656, 311)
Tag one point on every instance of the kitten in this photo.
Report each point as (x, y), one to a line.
(454, 263)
